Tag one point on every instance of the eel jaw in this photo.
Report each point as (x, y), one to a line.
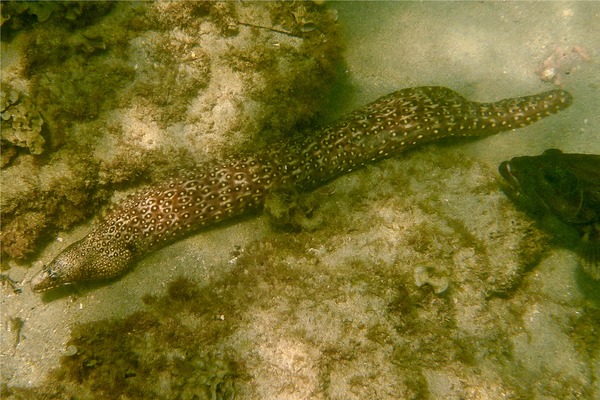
(48, 278)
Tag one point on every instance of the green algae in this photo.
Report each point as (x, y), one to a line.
(18, 16)
(294, 264)
(120, 87)
(343, 322)
(62, 63)
(298, 69)
(168, 350)
(21, 124)
(76, 72)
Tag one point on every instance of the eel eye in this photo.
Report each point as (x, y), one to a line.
(52, 274)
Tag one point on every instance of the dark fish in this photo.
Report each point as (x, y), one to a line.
(567, 186)
(170, 210)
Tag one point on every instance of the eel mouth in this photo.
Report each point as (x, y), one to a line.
(47, 278)
(41, 281)
(506, 172)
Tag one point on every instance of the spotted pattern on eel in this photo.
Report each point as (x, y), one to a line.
(168, 211)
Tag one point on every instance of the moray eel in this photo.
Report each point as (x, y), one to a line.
(566, 186)
(170, 210)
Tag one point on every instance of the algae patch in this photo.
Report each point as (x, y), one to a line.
(21, 124)
(335, 312)
(121, 93)
(159, 352)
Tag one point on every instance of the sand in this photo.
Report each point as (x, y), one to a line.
(422, 280)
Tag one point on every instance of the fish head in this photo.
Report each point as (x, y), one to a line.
(80, 262)
(51, 276)
(567, 186)
(546, 182)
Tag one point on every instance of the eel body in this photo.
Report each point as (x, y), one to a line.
(170, 210)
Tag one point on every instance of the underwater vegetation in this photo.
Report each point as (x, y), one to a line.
(341, 309)
(98, 96)
(169, 350)
(341, 312)
(413, 278)
(21, 123)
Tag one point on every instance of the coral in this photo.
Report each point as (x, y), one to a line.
(20, 235)
(19, 15)
(133, 91)
(428, 275)
(21, 123)
(31, 209)
(561, 63)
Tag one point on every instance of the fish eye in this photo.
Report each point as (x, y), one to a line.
(551, 176)
(562, 181)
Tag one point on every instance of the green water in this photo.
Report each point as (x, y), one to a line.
(353, 309)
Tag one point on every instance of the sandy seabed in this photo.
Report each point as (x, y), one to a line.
(422, 279)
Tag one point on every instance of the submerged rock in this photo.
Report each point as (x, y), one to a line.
(124, 90)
